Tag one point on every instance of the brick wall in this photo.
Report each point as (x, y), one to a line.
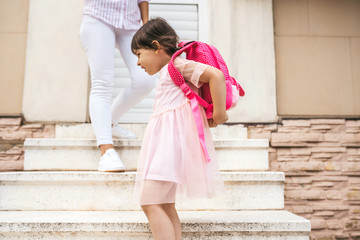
(12, 136)
(321, 160)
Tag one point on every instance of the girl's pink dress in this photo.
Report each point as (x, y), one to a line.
(171, 159)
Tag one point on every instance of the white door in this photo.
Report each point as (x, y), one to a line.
(183, 16)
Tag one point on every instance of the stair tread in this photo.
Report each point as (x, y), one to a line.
(70, 190)
(237, 131)
(82, 154)
(246, 176)
(73, 142)
(136, 221)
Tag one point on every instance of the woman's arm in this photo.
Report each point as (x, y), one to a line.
(144, 10)
(216, 81)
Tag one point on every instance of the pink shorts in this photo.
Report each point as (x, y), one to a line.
(155, 192)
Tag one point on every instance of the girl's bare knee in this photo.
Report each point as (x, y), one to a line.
(168, 206)
(148, 208)
(145, 207)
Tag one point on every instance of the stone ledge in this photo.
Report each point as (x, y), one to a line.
(70, 142)
(4, 121)
(135, 221)
(114, 191)
(85, 130)
(16, 165)
(83, 154)
(84, 176)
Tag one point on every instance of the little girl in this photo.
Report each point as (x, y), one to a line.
(172, 161)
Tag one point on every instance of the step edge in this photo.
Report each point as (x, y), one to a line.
(72, 142)
(94, 176)
(295, 223)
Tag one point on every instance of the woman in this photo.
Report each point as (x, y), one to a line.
(107, 23)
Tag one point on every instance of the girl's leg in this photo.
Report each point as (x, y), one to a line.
(174, 218)
(160, 223)
(141, 82)
(98, 40)
(163, 218)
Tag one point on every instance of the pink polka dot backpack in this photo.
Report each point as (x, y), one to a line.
(207, 54)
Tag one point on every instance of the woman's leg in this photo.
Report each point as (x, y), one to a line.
(160, 223)
(141, 82)
(174, 218)
(98, 40)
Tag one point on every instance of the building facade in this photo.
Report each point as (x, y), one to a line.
(298, 61)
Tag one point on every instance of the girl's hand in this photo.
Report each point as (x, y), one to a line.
(216, 81)
(212, 123)
(218, 119)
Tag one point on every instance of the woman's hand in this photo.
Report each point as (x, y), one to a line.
(144, 11)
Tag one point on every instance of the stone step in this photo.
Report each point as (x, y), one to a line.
(83, 154)
(131, 225)
(113, 191)
(85, 130)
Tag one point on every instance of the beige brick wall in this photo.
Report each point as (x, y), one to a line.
(321, 160)
(317, 48)
(12, 136)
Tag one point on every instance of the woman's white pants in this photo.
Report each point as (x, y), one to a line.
(99, 40)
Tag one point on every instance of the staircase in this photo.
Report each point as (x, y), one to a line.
(60, 195)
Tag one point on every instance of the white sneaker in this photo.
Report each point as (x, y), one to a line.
(122, 133)
(111, 162)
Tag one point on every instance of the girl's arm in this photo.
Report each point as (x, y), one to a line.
(216, 81)
(144, 10)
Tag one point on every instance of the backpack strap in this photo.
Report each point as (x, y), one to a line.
(198, 120)
(174, 73)
(194, 98)
(179, 79)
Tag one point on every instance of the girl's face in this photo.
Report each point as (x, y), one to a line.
(150, 60)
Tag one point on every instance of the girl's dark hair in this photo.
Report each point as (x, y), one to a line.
(156, 29)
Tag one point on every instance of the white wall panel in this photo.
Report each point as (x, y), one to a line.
(183, 17)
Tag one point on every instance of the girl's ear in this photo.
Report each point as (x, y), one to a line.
(156, 45)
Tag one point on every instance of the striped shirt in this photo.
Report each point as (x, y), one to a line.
(124, 14)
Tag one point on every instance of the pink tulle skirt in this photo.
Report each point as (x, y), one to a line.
(172, 164)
